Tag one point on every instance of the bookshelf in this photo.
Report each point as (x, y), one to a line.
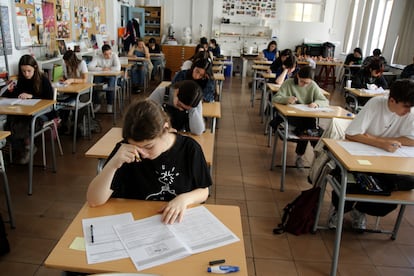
(153, 23)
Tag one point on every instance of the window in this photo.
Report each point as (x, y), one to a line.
(367, 25)
(304, 11)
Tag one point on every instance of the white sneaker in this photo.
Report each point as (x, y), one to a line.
(359, 221)
(26, 156)
(299, 162)
(109, 108)
(96, 107)
(332, 218)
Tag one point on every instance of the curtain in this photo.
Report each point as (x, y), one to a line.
(405, 51)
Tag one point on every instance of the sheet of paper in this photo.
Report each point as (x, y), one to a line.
(355, 148)
(9, 101)
(379, 90)
(106, 245)
(150, 242)
(28, 102)
(305, 107)
(201, 230)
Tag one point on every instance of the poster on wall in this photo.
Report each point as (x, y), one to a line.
(5, 24)
(23, 30)
(48, 17)
(252, 8)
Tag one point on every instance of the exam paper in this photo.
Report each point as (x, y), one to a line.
(378, 90)
(150, 242)
(355, 148)
(305, 107)
(14, 101)
(106, 245)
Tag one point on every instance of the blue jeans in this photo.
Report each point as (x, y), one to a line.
(138, 73)
(109, 92)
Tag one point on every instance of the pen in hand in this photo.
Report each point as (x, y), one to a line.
(92, 238)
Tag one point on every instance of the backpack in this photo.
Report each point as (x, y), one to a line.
(299, 215)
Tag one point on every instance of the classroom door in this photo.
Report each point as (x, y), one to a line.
(138, 13)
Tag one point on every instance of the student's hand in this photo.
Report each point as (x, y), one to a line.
(391, 145)
(174, 210)
(292, 100)
(68, 81)
(25, 96)
(11, 86)
(127, 153)
(313, 105)
(106, 69)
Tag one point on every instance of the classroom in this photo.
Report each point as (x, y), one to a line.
(276, 135)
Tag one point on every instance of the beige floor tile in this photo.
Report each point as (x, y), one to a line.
(274, 247)
(266, 267)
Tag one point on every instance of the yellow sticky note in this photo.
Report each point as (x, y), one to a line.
(291, 111)
(78, 244)
(364, 162)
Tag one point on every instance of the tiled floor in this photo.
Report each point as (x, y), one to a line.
(241, 177)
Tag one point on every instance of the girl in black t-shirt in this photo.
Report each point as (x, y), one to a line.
(153, 163)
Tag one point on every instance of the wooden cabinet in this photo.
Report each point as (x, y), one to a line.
(153, 23)
(175, 55)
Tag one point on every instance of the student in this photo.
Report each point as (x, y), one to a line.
(278, 62)
(107, 61)
(31, 84)
(156, 61)
(187, 63)
(408, 71)
(202, 73)
(302, 90)
(385, 123)
(270, 53)
(287, 70)
(214, 48)
(153, 163)
(74, 69)
(354, 58)
(375, 54)
(153, 47)
(370, 75)
(139, 72)
(182, 102)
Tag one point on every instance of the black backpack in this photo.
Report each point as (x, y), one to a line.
(299, 215)
(4, 243)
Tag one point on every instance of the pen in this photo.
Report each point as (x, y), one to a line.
(138, 158)
(92, 239)
(216, 262)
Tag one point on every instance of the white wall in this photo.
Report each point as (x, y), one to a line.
(393, 29)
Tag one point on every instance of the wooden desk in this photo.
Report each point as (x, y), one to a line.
(256, 69)
(285, 111)
(212, 110)
(35, 111)
(104, 146)
(4, 135)
(78, 89)
(64, 258)
(378, 164)
(262, 62)
(359, 97)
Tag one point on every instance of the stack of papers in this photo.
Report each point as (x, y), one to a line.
(149, 242)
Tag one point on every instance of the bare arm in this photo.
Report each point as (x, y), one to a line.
(390, 144)
(99, 190)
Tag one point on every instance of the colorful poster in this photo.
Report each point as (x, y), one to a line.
(38, 14)
(49, 19)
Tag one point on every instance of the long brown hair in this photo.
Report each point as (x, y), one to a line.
(37, 75)
(144, 120)
(72, 63)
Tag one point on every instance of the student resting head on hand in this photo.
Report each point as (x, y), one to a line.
(153, 163)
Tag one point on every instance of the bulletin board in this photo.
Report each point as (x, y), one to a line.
(5, 25)
(88, 18)
(251, 8)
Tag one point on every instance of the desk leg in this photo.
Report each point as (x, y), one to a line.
(213, 124)
(75, 124)
(398, 222)
(32, 133)
(253, 95)
(263, 100)
(7, 191)
(284, 154)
